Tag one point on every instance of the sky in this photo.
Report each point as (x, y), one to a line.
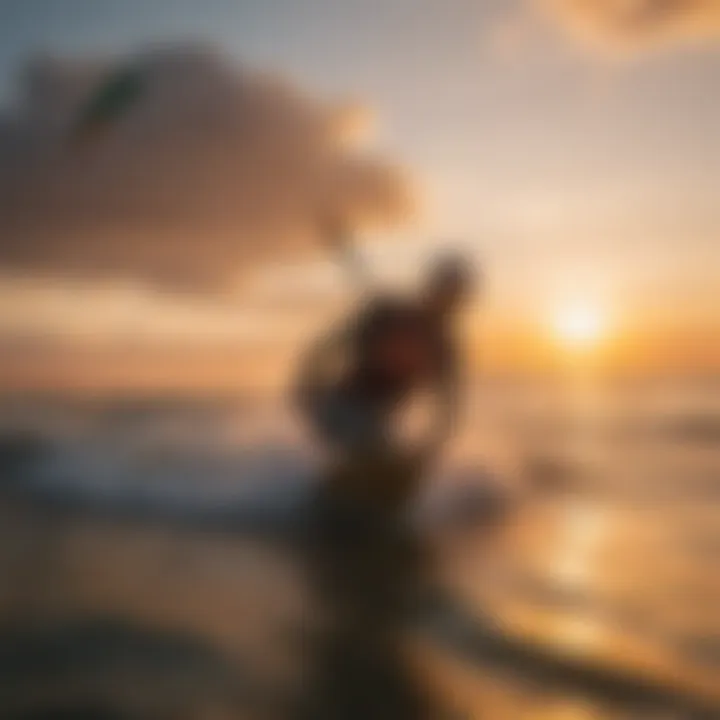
(572, 145)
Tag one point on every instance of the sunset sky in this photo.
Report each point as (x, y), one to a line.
(572, 145)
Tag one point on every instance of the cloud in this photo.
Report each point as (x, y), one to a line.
(627, 25)
(209, 171)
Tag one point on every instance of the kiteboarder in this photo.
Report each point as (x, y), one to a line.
(355, 381)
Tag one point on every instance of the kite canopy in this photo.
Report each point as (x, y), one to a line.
(109, 102)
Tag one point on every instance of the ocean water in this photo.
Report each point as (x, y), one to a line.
(149, 566)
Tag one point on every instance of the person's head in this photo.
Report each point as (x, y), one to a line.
(451, 279)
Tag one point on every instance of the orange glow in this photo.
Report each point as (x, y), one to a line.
(579, 326)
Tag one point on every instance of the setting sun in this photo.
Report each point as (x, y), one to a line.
(579, 326)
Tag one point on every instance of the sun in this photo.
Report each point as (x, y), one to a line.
(579, 326)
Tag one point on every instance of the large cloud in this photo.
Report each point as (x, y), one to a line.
(632, 24)
(210, 170)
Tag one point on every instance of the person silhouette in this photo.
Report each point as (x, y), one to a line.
(355, 381)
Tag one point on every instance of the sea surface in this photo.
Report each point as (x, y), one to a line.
(152, 566)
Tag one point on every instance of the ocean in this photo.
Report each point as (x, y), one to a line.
(150, 565)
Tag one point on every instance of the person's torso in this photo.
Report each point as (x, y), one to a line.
(398, 348)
